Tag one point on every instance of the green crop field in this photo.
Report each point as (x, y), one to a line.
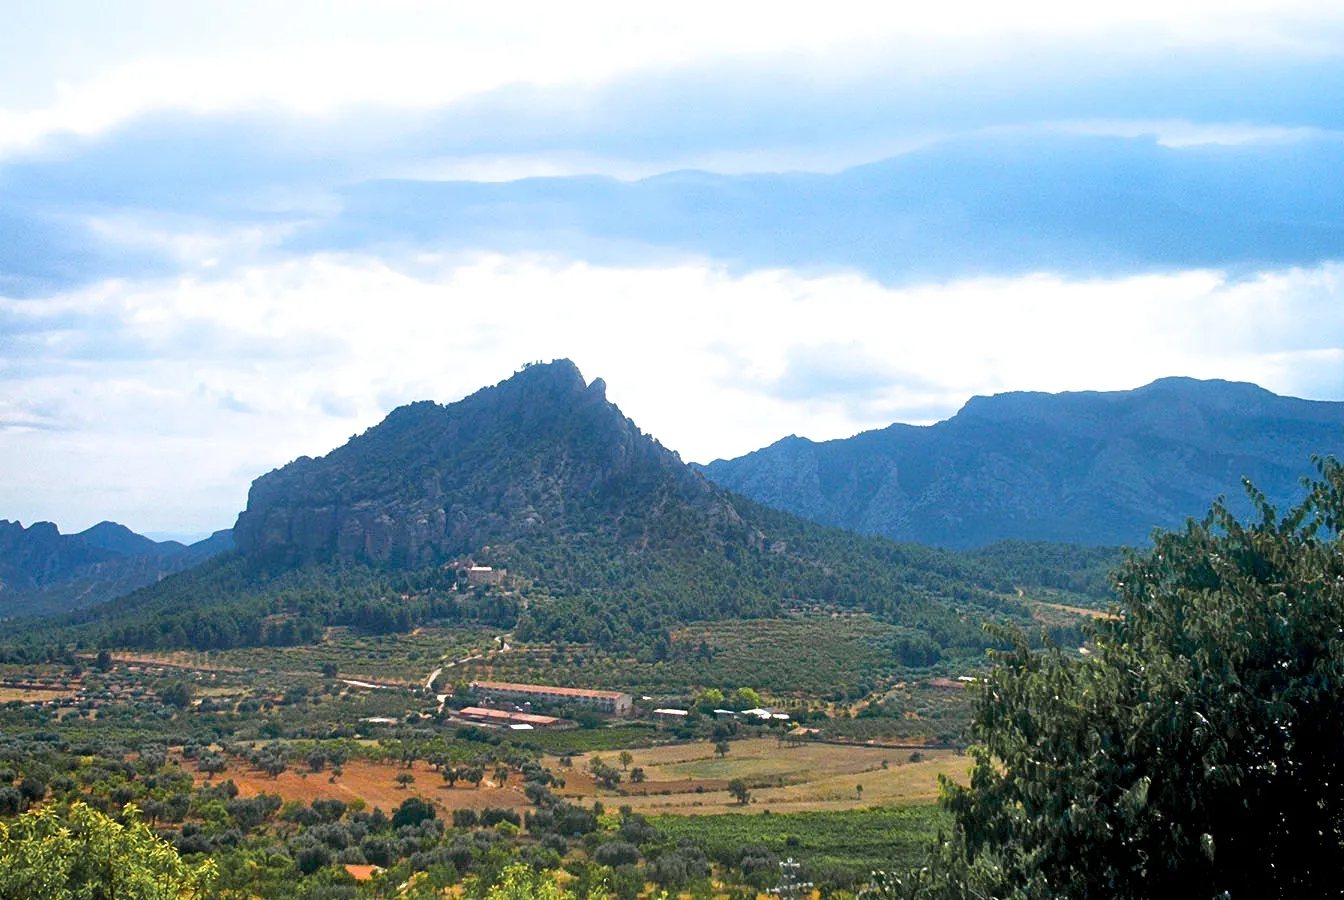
(589, 740)
(855, 841)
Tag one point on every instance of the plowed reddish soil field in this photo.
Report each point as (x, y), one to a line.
(374, 783)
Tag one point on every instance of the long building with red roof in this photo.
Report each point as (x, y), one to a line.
(613, 702)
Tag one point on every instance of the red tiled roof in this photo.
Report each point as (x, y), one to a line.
(545, 689)
(362, 873)
(500, 715)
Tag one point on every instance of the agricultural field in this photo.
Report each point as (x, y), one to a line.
(35, 694)
(374, 783)
(858, 841)
(211, 747)
(590, 740)
(1052, 613)
(814, 656)
(1078, 605)
(693, 779)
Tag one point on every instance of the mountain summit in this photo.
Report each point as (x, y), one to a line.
(1082, 467)
(541, 450)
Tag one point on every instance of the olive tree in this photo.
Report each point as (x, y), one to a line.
(1195, 752)
(45, 855)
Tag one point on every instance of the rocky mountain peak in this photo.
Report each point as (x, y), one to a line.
(431, 480)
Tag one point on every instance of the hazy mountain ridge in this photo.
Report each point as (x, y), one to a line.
(1079, 467)
(42, 570)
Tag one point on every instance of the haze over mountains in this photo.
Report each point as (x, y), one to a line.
(42, 570)
(1083, 467)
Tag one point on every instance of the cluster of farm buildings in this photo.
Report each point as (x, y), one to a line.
(507, 704)
(493, 694)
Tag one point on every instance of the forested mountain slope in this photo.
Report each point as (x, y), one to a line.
(1084, 468)
(607, 537)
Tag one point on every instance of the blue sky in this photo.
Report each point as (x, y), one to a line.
(234, 233)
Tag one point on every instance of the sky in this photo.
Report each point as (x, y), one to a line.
(236, 233)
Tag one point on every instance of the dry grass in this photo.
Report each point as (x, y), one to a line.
(1083, 611)
(35, 695)
(692, 779)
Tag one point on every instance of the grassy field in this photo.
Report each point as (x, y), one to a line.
(34, 695)
(594, 740)
(858, 841)
(817, 657)
(1078, 605)
(691, 779)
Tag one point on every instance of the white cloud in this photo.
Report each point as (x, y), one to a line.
(73, 69)
(157, 403)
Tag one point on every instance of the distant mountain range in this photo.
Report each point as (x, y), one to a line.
(1085, 468)
(42, 570)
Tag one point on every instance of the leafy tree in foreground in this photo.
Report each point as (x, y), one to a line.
(1196, 753)
(47, 856)
(521, 882)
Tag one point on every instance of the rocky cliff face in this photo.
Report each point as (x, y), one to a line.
(1087, 467)
(542, 448)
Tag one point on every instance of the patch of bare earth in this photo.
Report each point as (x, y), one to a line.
(373, 782)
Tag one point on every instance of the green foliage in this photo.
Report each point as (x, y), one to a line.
(855, 842)
(620, 573)
(1072, 568)
(1195, 753)
(177, 693)
(522, 882)
(48, 856)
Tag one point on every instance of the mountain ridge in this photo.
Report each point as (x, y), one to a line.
(1084, 467)
(43, 571)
